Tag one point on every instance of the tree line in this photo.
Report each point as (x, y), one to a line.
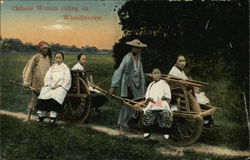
(16, 45)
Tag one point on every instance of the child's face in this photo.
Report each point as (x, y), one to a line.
(58, 59)
(156, 74)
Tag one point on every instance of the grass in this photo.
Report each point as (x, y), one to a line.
(40, 141)
(28, 141)
(22, 141)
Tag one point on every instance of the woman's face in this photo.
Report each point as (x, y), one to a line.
(83, 60)
(156, 74)
(181, 62)
(58, 58)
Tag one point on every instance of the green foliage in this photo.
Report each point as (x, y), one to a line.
(231, 120)
(212, 35)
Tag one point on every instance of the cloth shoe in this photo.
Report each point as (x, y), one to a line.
(166, 136)
(52, 120)
(40, 119)
(146, 135)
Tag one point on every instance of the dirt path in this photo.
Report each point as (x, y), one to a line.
(174, 151)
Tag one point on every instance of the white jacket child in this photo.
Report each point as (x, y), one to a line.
(157, 90)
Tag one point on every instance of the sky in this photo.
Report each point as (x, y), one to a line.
(93, 23)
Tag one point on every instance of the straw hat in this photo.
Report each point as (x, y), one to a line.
(136, 43)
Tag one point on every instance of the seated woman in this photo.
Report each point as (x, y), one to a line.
(57, 82)
(99, 99)
(158, 111)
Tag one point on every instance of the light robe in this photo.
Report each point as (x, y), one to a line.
(56, 75)
(157, 90)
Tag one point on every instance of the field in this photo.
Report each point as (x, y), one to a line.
(41, 142)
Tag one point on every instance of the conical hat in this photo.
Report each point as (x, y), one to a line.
(136, 43)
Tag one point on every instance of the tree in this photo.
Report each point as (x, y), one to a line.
(206, 32)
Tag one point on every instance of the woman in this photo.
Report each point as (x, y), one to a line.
(57, 82)
(99, 99)
(158, 97)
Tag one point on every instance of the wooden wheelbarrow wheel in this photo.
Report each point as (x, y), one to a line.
(187, 130)
(77, 108)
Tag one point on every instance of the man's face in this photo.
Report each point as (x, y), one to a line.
(136, 50)
(181, 62)
(58, 59)
(83, 60)
(156, 74)
(44, 51)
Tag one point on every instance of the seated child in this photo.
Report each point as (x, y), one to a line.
(158, 96)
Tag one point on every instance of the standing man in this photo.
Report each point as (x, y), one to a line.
(34, 72)
(130, 78)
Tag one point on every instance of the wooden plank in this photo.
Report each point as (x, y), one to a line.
(208, 112)
(178, 94)
(188, 80)
(77, 95)
(183, 115)
(182, 82)
(185, 112)
(78, 85)
(186, 99)
(179, 80)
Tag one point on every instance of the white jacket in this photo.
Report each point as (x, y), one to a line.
(157, 90)
(78, 66)
(57, 74)
(178, 73)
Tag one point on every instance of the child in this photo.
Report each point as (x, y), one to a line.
(158, 96)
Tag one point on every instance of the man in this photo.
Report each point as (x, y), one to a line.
(34, 73)
(99, 99)
(130, 78)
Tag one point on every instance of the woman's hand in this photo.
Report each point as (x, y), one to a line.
(55, 87)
